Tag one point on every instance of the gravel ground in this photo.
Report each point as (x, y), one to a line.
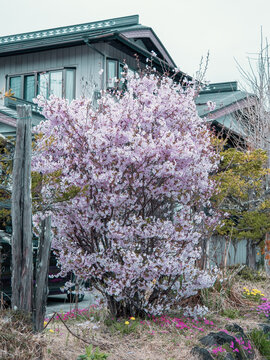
(59, 303)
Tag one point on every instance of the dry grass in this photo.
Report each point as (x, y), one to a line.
(138, 346)
(145, 344)
(263, 286)
(228, 293)
(17, 341)
(149, 341)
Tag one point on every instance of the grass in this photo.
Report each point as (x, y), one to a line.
(91, 354)
(124, 327)
(231, 313)
(261, 342)
(252, 275)
(167, 337)
(17, 341)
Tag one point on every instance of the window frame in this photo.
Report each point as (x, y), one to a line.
(14, 76)
(119, 69)
(65, 80)
(36, 74)
(23, 83)
(107, 71)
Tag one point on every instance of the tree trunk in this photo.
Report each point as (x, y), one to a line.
(117, 308)
(226, 251)
(267, 254)
(235, 247)
(267, 235)
(42, 270)
(203, 262)
(251, 255)
(122, 309)
(21, 211)
(207, 253)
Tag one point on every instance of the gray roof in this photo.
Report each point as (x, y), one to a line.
(79, 34)
(222, 100)
(229, 122)
(223, 95)
(125, 31)
(8, 119)
(63, 34)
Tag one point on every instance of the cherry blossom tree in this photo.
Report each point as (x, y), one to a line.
(127, 185)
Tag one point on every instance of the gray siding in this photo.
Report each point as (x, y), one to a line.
(87, 61)
(114, 53)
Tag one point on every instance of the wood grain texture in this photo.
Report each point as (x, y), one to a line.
(42, 269)
(21, 211)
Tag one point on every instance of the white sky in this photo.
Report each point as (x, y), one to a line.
(188, 28)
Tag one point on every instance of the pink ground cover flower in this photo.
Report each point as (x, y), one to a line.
(183, 323)
(218, 350)
(264, 307)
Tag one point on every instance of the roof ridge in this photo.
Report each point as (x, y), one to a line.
(71, 29)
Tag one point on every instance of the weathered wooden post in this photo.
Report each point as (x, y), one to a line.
(21, 211)
(41, 284)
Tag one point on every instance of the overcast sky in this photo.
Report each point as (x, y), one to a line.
(187, 28)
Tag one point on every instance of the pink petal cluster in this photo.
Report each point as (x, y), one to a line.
(140, 163)
(218, 349)
(264, 307)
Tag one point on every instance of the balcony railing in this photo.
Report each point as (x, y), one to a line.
(12, 102)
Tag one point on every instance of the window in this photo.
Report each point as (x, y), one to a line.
(70, 84)
(43, 84)
(115, 70)
(56, 83)
(112, 73)
(60, 82)
(29, 87)
(15, 85)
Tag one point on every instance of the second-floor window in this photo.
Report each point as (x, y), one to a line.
(115, 71)
(60, 82)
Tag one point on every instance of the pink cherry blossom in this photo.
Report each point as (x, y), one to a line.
(140, 164)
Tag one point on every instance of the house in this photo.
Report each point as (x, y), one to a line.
(74, 60)
(84, 59)
(230, 112)
(232, 118)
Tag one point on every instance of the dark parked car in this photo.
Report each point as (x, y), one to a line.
(55, 284)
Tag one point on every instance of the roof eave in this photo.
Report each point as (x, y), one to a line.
(214, 114)
(61, 36)
(147, 54)
(169, 56)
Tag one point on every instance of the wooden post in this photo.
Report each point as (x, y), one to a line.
(21, 211)
(41, 285)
